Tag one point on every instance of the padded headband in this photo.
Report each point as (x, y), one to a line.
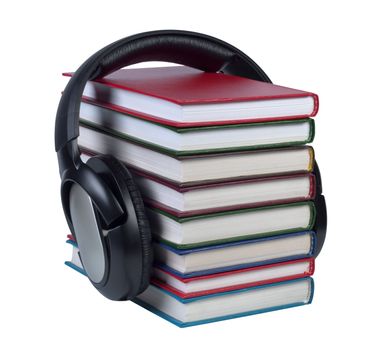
(188, 48)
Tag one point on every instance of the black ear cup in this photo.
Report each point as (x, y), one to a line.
(120, 180)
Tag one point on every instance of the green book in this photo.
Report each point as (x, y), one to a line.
(230, 226)
(198, 140)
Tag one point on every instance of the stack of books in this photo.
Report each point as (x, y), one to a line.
(227, 180)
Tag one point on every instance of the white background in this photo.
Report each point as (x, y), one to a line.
(328, 47)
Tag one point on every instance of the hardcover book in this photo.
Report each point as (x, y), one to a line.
(185, 201)
(190, 287)
(226, 305)
(235, 255)
(183, 96)
(229, 226)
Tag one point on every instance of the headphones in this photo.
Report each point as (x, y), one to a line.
(102, 205)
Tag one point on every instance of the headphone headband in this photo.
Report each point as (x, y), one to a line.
(188, 48)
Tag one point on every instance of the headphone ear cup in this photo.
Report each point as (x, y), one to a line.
(121, 182)
(143, 223)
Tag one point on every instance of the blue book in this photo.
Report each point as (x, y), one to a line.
(226, 305)
(235, 255)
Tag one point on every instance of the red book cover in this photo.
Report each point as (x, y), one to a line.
(163, 285)
(188, 86)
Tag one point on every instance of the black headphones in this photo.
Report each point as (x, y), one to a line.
(102, 205)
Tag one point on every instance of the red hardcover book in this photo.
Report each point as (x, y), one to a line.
(152, 195)
(232, 280)
(186, 97)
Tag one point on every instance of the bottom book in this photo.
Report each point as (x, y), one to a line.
(218, 306)
(226, 305)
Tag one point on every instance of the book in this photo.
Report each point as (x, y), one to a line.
(211, 167)
(191, 287)
(235, 255)
(183, 96)
(226, 305)
(198, 140)
(229, 226)
(184, 201)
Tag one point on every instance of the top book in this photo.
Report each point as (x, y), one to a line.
(182, 97)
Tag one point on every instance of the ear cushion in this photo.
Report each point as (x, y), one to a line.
(124, 180)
